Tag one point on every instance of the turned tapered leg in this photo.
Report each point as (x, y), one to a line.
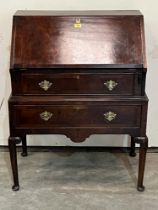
(24, 146)
(143, 141)
(13, 158)
(132, 149)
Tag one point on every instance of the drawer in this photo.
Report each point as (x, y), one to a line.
(87, 116)
(76, 83)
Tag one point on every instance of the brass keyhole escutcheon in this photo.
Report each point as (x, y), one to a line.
(77, 23)
(110, 84)
(45, 85)
(78, 20)
(110, 116)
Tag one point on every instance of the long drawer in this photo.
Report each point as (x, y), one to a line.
(76, 83)
(50, 116)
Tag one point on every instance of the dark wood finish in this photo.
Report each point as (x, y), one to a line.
(129, 122)
(76, 83)
(13, 157)
(132, 150)
(101, 39)
(79, 116)
(143, 141)
(76, 62)
(24, 146)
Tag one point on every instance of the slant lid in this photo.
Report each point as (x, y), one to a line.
(49, 39)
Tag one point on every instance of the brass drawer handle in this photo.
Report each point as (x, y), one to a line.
(110, 116)
(45, 85)
(46, 115)
(110, 84)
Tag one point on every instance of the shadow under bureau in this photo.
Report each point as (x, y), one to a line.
(78, 73)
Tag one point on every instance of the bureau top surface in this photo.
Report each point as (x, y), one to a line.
(76, 13)
(100, 39)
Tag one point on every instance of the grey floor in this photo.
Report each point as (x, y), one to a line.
(78, 181)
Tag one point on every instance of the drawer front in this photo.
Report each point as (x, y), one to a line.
(50, 116)
(76, 83)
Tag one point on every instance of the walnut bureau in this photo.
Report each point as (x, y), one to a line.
(78, 73)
